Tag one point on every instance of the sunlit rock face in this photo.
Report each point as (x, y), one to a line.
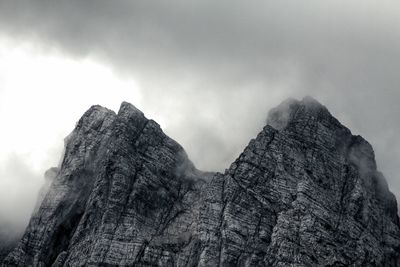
(304, 192)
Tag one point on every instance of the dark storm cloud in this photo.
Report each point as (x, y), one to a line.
(212, 69)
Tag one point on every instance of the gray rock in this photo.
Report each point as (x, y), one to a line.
(304, 192)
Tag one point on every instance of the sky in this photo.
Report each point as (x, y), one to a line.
(206, 71)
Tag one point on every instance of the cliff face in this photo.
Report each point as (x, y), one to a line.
(304, 192)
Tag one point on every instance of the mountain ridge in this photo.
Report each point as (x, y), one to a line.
(304, 192)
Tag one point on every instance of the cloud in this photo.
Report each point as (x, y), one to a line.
(210, 71)
(41, 98)
(18, 193)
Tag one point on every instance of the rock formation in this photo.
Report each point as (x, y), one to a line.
(304, 192)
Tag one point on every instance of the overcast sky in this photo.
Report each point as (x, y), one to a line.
(207, 71)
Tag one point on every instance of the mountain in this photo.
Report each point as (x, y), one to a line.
(304, 192)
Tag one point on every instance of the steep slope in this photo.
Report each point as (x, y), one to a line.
(121, 185)
(305, 192)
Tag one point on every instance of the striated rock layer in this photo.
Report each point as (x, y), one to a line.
(304, 192)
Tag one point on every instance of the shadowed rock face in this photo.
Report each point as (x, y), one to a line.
(304, 192)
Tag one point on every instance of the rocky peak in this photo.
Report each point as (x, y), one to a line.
(94, 117)
(292, 110)
(304, 192)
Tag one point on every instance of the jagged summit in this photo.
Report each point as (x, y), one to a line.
(304, 192)
(97, 113)
(292, 109)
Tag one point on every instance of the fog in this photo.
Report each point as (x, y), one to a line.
(207, 71)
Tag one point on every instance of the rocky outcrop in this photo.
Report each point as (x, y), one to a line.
(304, 192)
